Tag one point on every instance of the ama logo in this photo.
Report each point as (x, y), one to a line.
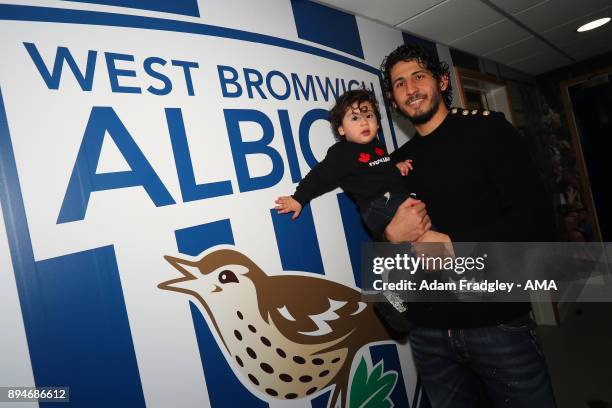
(286, 336)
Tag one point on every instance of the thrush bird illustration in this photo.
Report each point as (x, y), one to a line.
(290, 336)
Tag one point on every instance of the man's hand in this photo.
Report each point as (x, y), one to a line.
(434, 244)
(409, 223)
(287, 204)
(404, 167)
(433, 236)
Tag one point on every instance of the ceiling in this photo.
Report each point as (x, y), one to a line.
(533, 36)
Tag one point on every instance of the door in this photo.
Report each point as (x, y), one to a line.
(592, 107)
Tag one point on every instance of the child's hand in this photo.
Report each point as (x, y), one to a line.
(287, 204)
(404, 167)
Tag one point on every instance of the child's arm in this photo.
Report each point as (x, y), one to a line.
(320, 179)
(287, 204)
(404, 167)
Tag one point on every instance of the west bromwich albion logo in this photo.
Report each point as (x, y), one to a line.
(283, 347)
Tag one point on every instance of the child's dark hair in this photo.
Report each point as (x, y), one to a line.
(345, 102)
(425, 58)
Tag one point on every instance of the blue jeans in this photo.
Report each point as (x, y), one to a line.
(499, 366)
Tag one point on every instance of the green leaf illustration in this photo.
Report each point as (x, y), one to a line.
(372, 390)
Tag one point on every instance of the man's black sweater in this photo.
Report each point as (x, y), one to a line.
(479, 185)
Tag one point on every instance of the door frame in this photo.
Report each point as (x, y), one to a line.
(585, 184)
(581, 169)
(491, 81)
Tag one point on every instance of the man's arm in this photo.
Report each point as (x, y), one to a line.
(409, 223)
(525, 210)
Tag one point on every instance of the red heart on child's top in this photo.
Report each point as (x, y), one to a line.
(364, 157)
(379, 151)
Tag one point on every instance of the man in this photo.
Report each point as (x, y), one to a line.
(475, 180)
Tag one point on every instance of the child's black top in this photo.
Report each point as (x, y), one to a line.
(363, 171)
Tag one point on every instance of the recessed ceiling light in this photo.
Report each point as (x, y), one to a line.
(593, 24)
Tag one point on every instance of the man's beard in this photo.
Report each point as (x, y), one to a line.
(424, 117)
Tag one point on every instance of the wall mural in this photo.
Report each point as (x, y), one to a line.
(130, 131)
(287, 336)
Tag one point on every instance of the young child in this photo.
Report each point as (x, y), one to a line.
(358, 163)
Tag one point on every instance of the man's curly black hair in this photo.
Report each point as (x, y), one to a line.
(426, 58)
